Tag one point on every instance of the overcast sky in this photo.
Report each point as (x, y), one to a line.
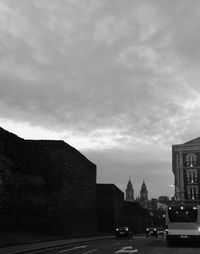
(117, 79)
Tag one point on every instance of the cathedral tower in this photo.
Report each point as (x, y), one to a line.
(144, 195)
(143, 192)
(129, 191)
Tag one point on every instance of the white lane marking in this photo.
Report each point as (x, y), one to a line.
(127, 249)
(90, 251)
(74, 248)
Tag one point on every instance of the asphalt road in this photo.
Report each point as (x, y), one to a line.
(139, 245)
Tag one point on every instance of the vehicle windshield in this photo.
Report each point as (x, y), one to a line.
(182, 214)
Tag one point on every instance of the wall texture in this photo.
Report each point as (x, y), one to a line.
(46, 186)
(110, 207)
(136, 217)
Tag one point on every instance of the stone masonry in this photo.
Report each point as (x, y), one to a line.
(46, 186)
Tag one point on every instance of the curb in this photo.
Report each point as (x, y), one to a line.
(18, 249)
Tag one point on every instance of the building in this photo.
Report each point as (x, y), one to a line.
(143, 198)
(129, 191)
(163, 199)
(186, 170)
(154, 202)
(113, 211)
(161, 205)
(144, 195)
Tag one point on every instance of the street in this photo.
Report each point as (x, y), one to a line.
(138, 244)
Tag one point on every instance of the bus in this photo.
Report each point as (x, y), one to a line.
(183, 221)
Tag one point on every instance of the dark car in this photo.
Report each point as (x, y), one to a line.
(160, 231)
(152, 232)
(123, 232)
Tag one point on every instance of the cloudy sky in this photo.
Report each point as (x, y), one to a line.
(117, 79)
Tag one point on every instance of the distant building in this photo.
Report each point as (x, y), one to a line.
(163, 199)
(161, 205)
(186, 170)
(129, 191)
(154, 202)
(144, 196)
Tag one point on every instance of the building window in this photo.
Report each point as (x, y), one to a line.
(191, 159)
(192, 192)
(191, 176)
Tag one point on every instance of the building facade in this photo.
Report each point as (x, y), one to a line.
(186, 170)
(129, 191)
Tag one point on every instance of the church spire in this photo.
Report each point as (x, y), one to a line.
(129, 191)
(144, 187)
(143, 194)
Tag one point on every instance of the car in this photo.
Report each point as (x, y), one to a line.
(123, 232)
(160, 231)
(152, 231)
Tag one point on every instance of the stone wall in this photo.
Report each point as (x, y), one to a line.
(110, 207)
(136, 217)
(48, 186)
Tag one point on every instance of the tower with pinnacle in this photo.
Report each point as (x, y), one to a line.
(129, 191)
(143, 195)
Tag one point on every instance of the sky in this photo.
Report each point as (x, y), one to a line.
(118, 80)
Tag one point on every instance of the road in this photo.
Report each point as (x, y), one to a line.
(140, 245)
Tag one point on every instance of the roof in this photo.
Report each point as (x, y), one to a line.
(193, 141)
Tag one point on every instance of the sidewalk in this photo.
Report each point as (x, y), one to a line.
(18, 249)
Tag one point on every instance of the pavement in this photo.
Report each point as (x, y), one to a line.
(19, 249)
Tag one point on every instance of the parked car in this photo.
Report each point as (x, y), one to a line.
(123, 232)
(151, 232)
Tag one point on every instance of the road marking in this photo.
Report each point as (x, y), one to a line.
(127, 249)
(90, 251)
(74, 248)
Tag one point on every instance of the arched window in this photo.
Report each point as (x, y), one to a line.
(191, 175)
(191, 159)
